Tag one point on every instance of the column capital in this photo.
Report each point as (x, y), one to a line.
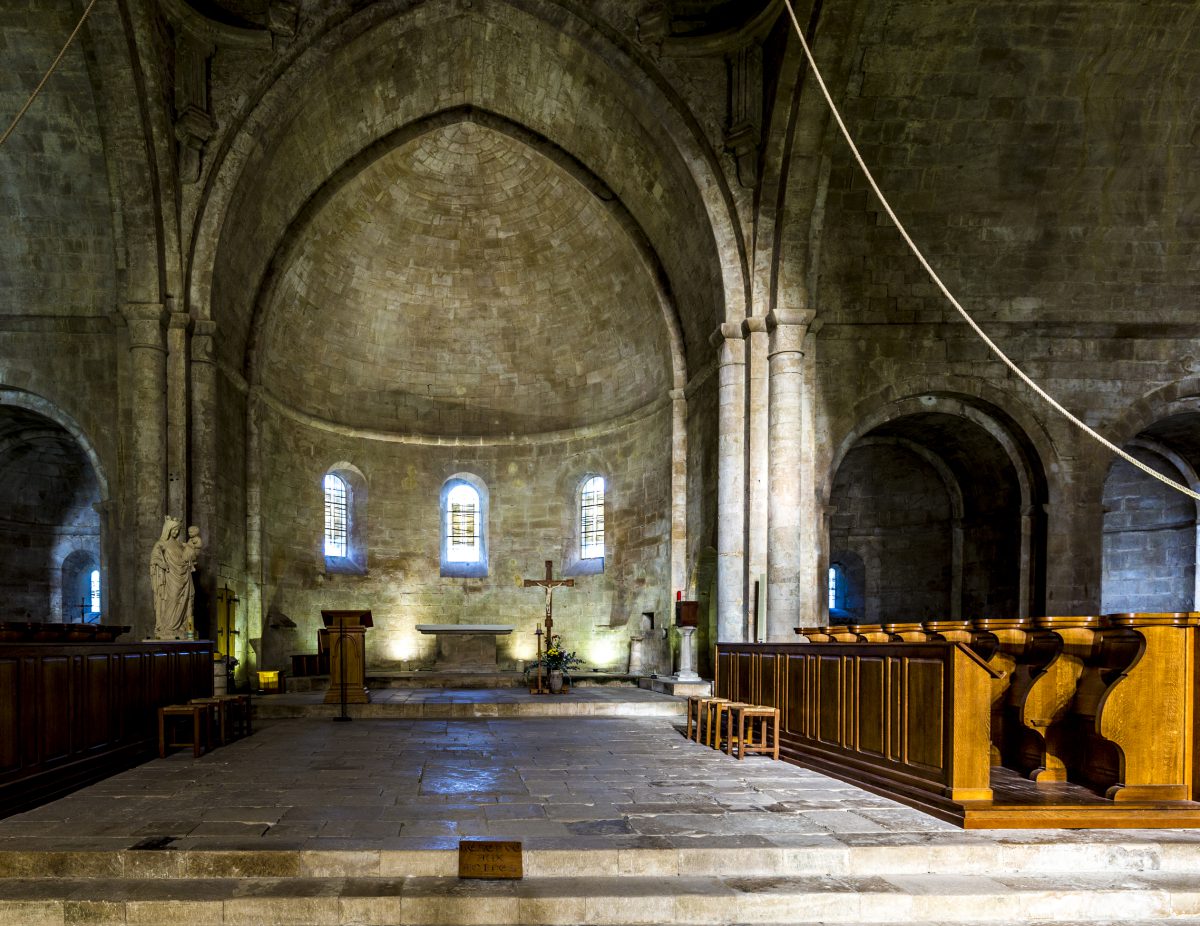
(729, 331)
(204, 332)
(146, 322)
(788, 329)
(779, 318)
(677, 395)
(179, 319)
(753, 325)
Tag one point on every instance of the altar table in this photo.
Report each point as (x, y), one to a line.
(466, 647)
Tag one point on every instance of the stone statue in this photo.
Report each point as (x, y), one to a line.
(172, 562)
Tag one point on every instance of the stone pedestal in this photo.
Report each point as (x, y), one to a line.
(687, 656)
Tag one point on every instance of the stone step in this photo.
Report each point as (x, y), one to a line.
(1125, 898)
(1119, 856)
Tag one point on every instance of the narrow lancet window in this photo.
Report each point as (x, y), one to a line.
(337, 515)
(591, 518)
(94, 582)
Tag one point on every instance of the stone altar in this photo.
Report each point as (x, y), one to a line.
(466, 647)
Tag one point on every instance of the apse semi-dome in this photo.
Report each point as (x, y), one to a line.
(464, 283)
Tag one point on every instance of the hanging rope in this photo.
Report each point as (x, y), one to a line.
(949, 295)
(42, 82)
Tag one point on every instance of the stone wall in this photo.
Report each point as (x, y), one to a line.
(56, 248)
(1149, 540)
(892, 511)
(532, 502)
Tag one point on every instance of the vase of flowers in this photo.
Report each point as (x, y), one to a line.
(557, 660)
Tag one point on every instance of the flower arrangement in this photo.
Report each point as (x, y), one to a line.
(557, 657)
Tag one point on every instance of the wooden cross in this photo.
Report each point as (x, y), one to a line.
(549, 584)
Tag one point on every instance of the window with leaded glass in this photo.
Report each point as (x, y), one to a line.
(463, 525)
(337, 516)
(591, 518)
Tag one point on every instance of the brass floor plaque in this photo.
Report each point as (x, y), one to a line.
(489, 858)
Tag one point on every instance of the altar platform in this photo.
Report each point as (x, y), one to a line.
(455, 703)
(429, 678)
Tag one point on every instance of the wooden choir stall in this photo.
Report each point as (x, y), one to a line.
(1013, 723)
(347, 656)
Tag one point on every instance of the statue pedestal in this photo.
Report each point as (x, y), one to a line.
(687, 657)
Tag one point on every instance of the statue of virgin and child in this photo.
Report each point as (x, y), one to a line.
(172, 562)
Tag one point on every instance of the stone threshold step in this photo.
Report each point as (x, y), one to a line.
(604, 901)
(565, 860)
(458, 710)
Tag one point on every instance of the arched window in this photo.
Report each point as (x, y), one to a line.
(94, 582)
(837, 588)
(337, 516)
(464, 526)
(591, 518)
(344, 540)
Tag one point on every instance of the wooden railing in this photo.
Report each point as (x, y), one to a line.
(898, 717)
(71, 714)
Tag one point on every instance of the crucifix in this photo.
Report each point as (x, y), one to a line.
(549, 584)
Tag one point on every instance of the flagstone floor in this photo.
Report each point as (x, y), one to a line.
(416, 784)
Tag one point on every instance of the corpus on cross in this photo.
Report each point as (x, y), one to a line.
(549, 584)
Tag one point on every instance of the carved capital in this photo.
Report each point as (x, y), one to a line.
(146, 322)
(788, 329)
(203, 341)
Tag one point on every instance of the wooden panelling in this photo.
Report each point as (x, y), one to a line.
(924, 715)
(71, 714)
(883, 711)
(872, 706)
(10, 693)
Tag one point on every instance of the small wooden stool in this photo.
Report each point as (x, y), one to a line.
(704, 718)
(201, 720)
(721, 711)
(768, 722)
(695, 704)
(218, 717)
(238, 708)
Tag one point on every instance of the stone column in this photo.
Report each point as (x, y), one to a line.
(177, 412)
(784, 553)
(814, 530)
(754, 331)
(203, 493)
(254, 555)
(678, 492)
(731, 484)
(148, 400)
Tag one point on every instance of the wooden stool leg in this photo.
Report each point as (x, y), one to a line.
(775, 720)
(196, 732)
(162, 734)
(742, 735)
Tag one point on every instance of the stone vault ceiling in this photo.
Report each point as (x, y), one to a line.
(464, 284)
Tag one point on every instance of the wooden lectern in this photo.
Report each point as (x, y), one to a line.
(347, 655)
